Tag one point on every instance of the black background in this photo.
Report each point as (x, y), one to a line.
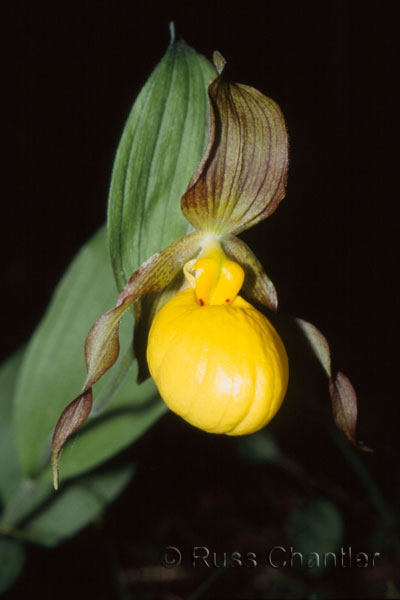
(71, 73)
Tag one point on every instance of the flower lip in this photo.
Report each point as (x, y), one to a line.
(222, 368)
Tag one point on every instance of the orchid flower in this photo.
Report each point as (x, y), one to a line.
(216, 359)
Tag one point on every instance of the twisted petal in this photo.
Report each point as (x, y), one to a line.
(343, 395)
(257, 284)
(102, 344)
(241, 178)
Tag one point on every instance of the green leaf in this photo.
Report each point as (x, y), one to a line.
(12, 561)
(76, 505)
(30, 496)
(54, 368)
(161, 146)
(10, 472)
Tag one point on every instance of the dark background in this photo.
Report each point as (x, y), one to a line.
(71, 73)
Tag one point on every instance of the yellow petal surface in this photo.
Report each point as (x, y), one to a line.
(221, 367)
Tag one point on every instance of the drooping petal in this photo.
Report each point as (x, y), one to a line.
(101, 348)
(343, 395)
(257, 284)
(318, 343)
(241, 178)
(72, 417)
(102, 344)
(344, 405)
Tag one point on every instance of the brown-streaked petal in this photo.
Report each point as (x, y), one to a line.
(241, 177)
(70, 420)
(257, 284)
(344, 405)
(102, 344)
(343, 395)
(318, 343)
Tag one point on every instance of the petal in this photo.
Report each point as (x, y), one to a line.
(241, 178)
(344, 406)
(72, 417)
(343, 395)
(257, 284)
(102, 344)
(318, 343)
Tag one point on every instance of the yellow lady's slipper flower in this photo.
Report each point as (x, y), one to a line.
(217, 361)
